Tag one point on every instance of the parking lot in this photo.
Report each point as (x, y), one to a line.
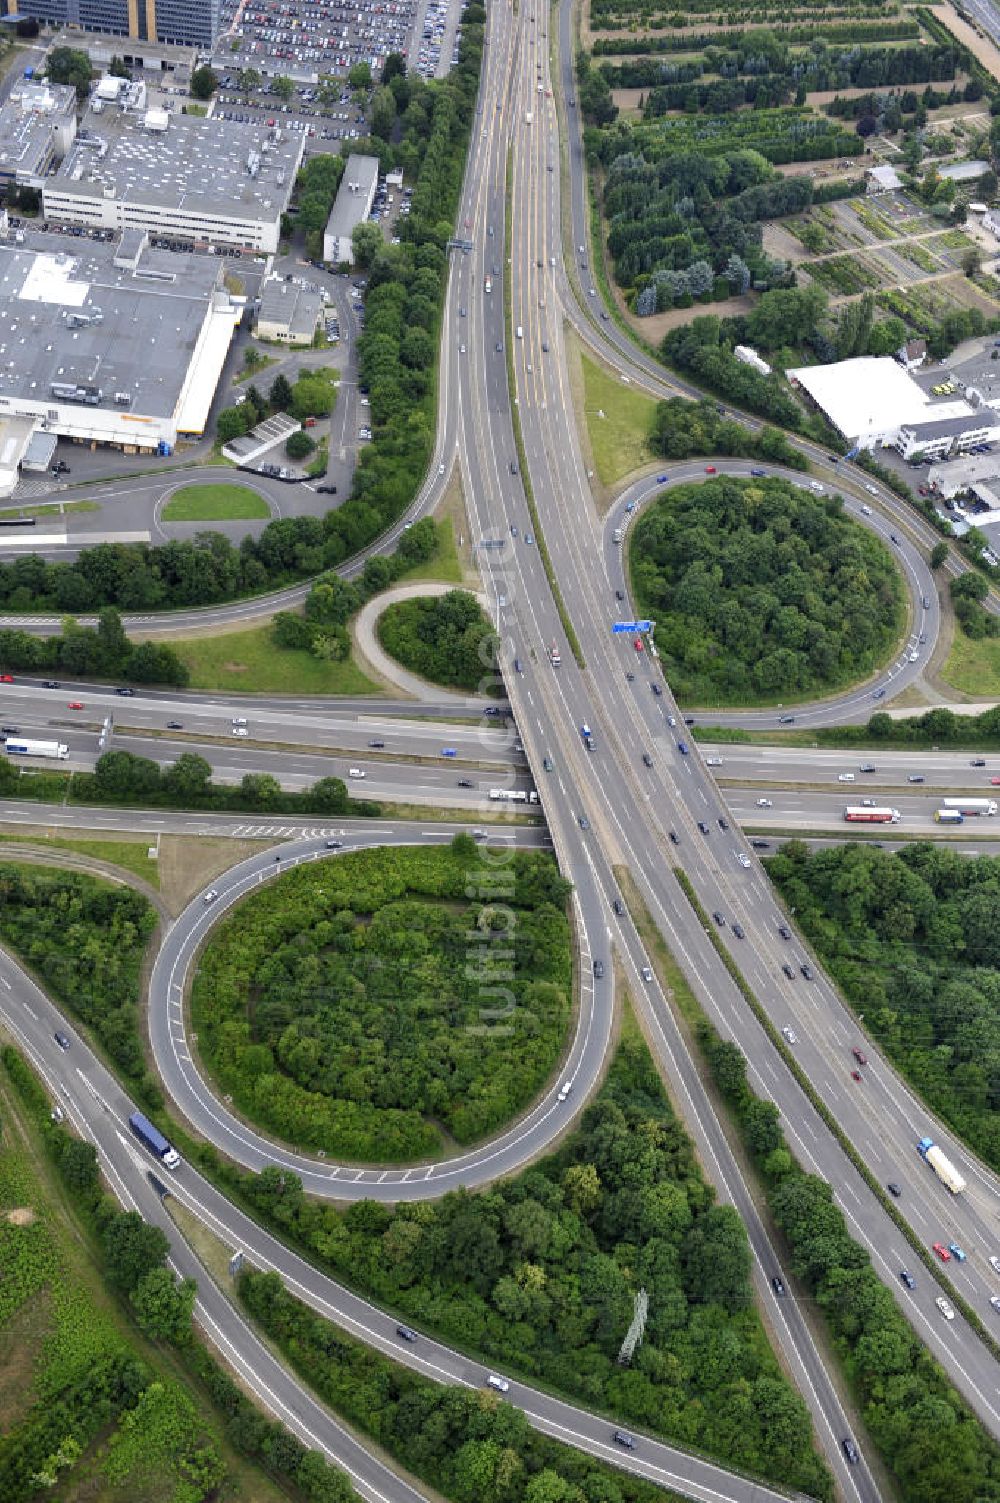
(309, 39)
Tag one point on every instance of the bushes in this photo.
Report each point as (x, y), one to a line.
(682, 428)
(86, 652)
(444, 638)
(892, 1373)
(699, 349)
(538, 1275)
(917, 949)
(761, 590)
(364, 1015)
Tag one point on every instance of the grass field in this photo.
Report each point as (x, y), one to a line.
(215, 503)
(444, 565)
(620, 438)
(49, 509)
(249, 662)
(973, 667)
(128, 854)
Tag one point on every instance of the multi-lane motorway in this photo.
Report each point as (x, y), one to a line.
(630, 809)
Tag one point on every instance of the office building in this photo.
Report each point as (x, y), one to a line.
(351, 207)
(37, 127)
(200, 181)
(288, 311)
(193, 23)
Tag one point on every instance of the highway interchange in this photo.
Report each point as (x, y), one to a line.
(630, 809)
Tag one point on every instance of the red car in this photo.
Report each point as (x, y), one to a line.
(638, 644)
(710, 469)
(76, 704)
(6, 678)
(942, 1252)
(856, 1075)
(995, 782)
(861, 1058)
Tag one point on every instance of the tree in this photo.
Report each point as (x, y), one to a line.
(972, 260)
(939, 555)
(189, 777)
(299, 445)
(163, 1306)
(66, 65)
(248, 81)
(78, 1167)
(118, 68)
(233, 422)
(393, 67)
(312, 396)
(329, 796)
(260, 790)
(359, 76)
(280, 393)
(132, 1248)
(204, 82)
(366, 242)
(283, 87)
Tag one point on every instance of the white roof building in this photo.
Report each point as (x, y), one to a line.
(351, 207)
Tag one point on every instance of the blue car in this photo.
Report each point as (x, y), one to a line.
(758, 473)
(956, 1252)
(682, 748)
(448, 751)
(662, 479)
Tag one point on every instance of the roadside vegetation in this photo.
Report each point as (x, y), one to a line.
(619, 422)
(538, 1276)
(346, 1011)
(444, 638)
(257, 662)
(106, 1390)
(913, 941)
(214, 503)
(682, 429)
(103, 651)
(762, 591)
(130, 855)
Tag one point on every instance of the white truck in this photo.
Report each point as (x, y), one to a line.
(970, 805)
(14, 746)
(942, 1166)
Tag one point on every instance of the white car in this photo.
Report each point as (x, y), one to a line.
(872, 490)
(713, 761)
(356, 772)
(995, 1263)
(647, 974)
(238, 720)
(914, 657)
(945, 1307)
(500, 1384)
(790, 1035)
(765, 803)
(845, 777)
(240, 730)
(210, 896)
(743, 859)
(564, 1090)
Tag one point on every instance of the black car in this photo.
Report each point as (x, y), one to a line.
(907, 1278)
(647, 759)
(10, 730)
(623, 1438)
(598, 969)
(703, 827)
(405, 1333)
(126, 693)
(377, 742)
(915, 777)
(619, 594)
(786, 719)
(630, 678)
(689, 720)
(806, 971)
(788, 971)
(175, 725)
(61, 1039)
(513, 471)
(778, 1285)
(53, 683)
(738, 931)
(656, 690)
(761, 845)
(583, 822)
(618, 906)
(850, 1450)
(673, 838)
(976, 761)
(719, 919)
(894, 1189)
(465, 783)
(334, 845)
(723, 823)
(784, 931)
(326, 490)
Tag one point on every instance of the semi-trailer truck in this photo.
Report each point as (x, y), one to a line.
(151, 1137)
(515, 795)
(861, 814)
(15, 747)
(970, 805)
(942, 1166)
(949, 817)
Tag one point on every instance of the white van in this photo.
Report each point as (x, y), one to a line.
(520, 332)
(356, 772)
(845, 777)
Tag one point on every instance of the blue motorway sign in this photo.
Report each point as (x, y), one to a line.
(631, 626)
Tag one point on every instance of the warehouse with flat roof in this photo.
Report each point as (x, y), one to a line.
(351, 207)
(115, 349)
(37, 126)
(288, 311)
(198, 180)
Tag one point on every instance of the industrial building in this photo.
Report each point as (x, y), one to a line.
(174, 63)
(194, 23)
(37, 127)
(351, 207)
(201, 181)
(115, 344)
(288, 311)
(874, 403)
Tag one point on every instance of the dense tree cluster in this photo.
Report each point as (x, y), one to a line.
(85, 940)
(682, 428)
(914, 941)
(700, 349)
(363, 1013)
(932, 1445)
(826, 32)
(445, 638)
(538, 1275)
(87, 652)
(761, 590)
(69, 65)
